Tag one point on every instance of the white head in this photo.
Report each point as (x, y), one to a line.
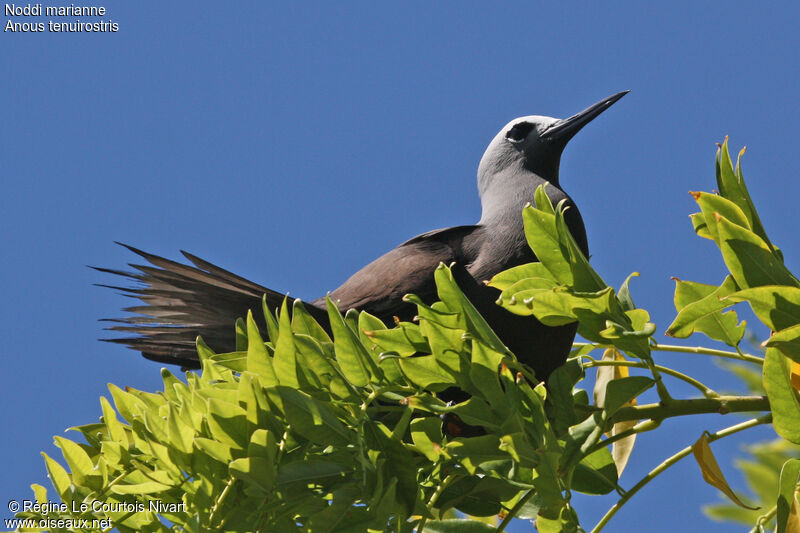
(534, 144)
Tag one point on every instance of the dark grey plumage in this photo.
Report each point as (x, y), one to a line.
(183, 301)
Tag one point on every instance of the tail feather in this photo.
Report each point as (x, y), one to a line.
(182, 302)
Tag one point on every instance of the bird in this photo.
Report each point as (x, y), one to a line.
(184, 301)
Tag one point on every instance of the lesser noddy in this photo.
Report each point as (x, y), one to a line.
(182, 301)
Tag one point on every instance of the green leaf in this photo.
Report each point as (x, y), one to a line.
(787, 341)
(40, 493)
(269, 318)
(58, 477)
(259, 411)
(241, 335)
(115, 428)
(585, 277)
(624, 293)
(214, 449)
(405, 339)
(713, 205)
(426, 433)
(312, 418)
(256, 471)
(560, 385)
(147, 487)
(477, 496)
(518, 297)
(179, 431)
(236, 361)
(78, 460)
(309, 471)
(543, 239)
(425, 372)
(473, 451)
(304, 323)
(732, 186)
(451, 295)
(520, 449)
(477, 412)
(621, 391)
(395, 460)
(554, 246)
(356, 364)
(128, 405)
(483, 374)
(787, 502)
(258, 360)
(783, 398)
(228, 423)
(339, 514)
(700, 309)
(558, 306)
(546, 480)
(507, 278)
(319, 366)
(699, 225)
(776, 306)
(557, 519)
(448, 347)
(438, 313)
(284, 360)
(263, 444)
(596, 473)
(749, 258)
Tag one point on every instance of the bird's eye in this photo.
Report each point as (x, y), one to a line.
(518, 133)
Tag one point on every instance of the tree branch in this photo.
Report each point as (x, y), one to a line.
(721, 405)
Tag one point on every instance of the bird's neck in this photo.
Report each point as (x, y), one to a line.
(505, 194)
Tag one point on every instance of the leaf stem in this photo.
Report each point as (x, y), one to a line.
(641, 427)
(434, 497)
(689, 349)
(707, 391)
(765, 419)
(221, 499)
(708, 351)
(764, 519)
(368, 400)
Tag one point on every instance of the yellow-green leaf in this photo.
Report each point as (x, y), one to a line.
(284, 360)
(777, 306)
(749, 258)
(258, 360)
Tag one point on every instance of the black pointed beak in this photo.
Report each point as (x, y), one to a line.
(565, 129)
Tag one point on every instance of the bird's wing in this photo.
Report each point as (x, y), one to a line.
(443, 234)
(378, 288)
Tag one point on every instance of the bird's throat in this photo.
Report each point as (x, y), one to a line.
(504, 196)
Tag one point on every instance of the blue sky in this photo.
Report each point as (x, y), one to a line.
(294, 143)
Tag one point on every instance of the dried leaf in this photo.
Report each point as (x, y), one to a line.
(793, 522)
(711, 471)
(622, 449)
